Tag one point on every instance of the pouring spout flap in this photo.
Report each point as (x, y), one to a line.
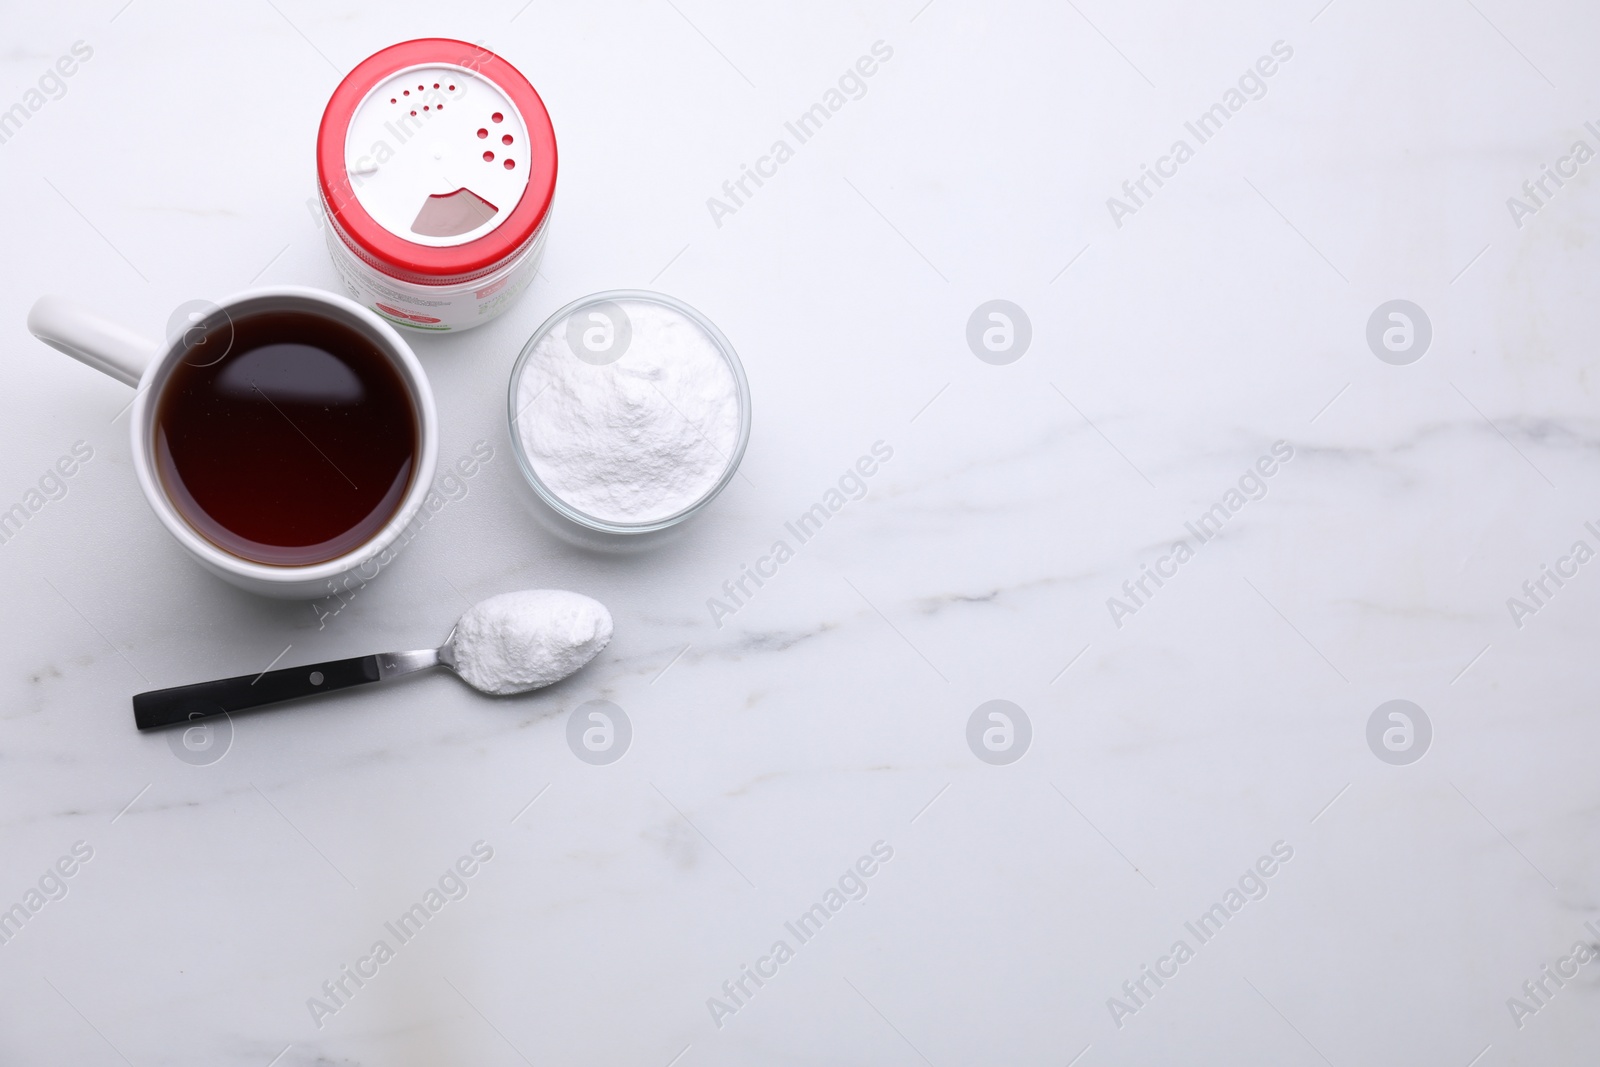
(453, 214)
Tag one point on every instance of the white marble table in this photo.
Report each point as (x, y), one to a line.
(1175, 738)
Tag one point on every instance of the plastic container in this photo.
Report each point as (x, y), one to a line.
(577, 525)
(436, 164)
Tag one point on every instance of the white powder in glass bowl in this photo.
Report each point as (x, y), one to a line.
(630, 439)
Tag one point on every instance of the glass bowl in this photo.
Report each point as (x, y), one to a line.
(548, 496)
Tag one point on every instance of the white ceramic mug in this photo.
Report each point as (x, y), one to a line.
(146, 365)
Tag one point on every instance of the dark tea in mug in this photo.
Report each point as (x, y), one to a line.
(285, 437)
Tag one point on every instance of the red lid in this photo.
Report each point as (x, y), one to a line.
(441, 180)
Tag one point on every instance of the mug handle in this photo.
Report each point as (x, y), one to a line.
(86, 336)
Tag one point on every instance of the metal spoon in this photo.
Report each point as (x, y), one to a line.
(203, 700)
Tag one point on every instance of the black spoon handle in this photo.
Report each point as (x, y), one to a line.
(169, 707)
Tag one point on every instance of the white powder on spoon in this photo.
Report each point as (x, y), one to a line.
(634, 440)
(515, 642)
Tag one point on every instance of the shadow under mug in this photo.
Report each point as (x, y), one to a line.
(137, 361)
